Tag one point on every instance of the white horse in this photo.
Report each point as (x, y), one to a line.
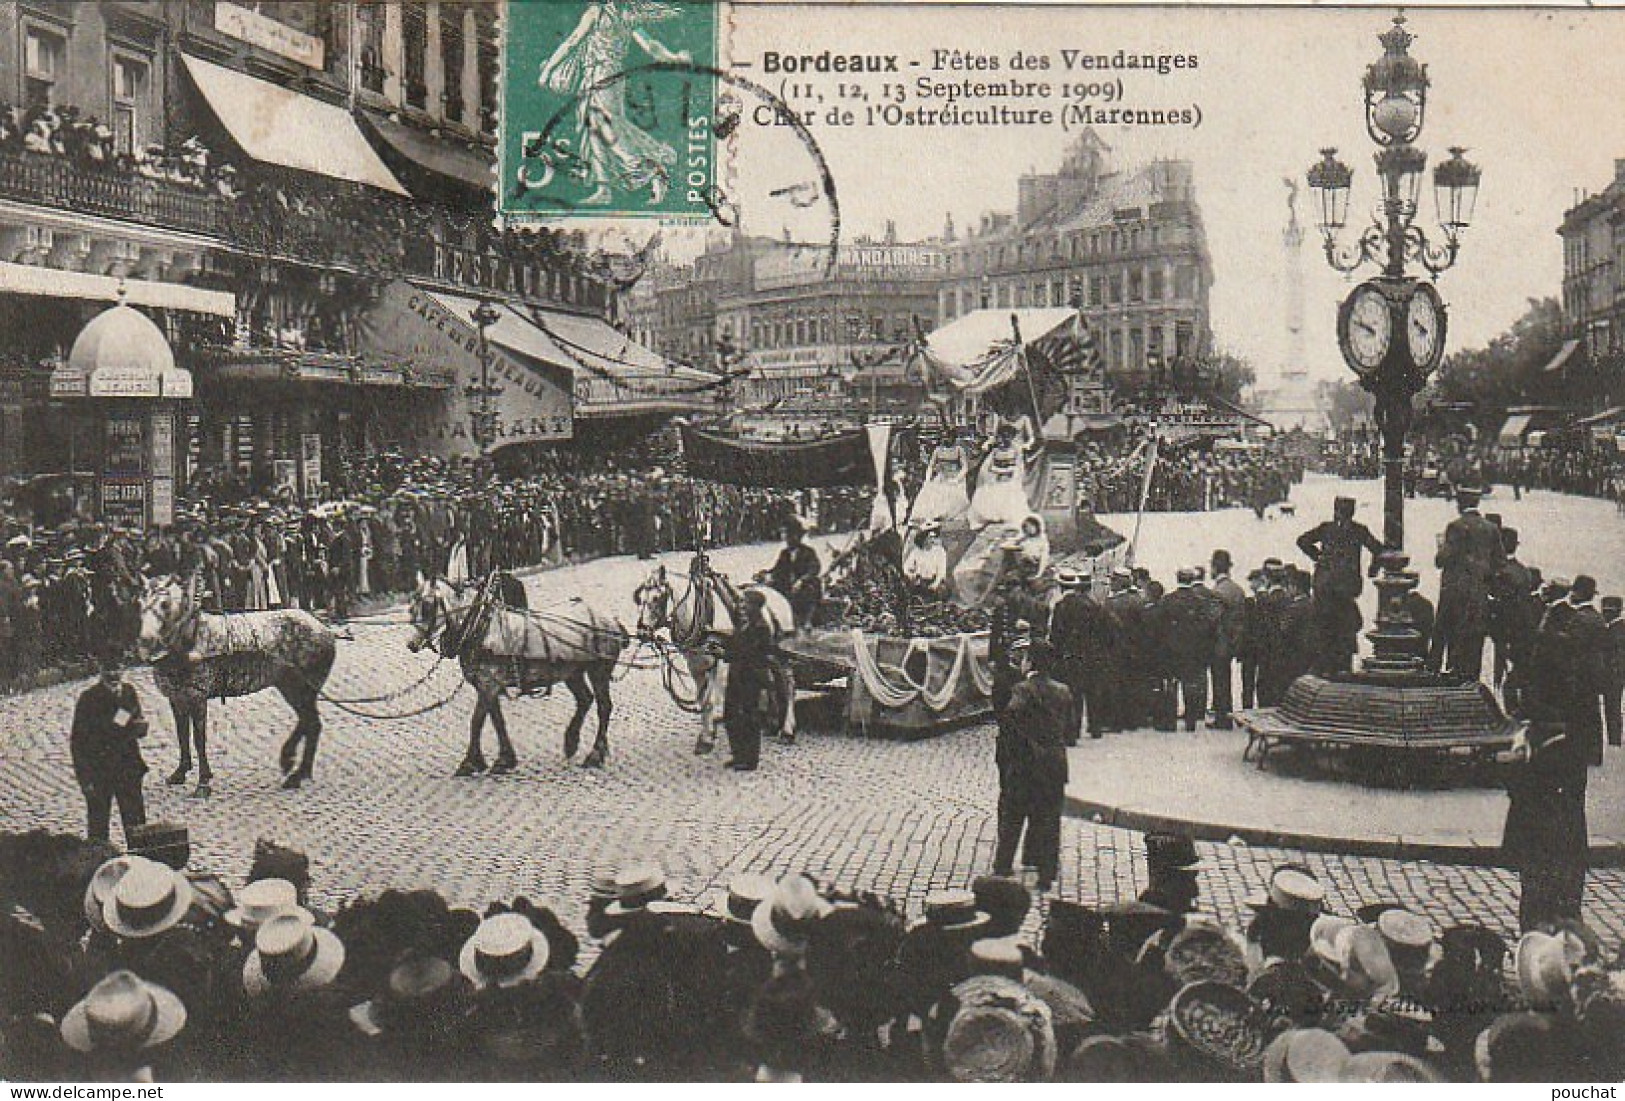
(699, 609)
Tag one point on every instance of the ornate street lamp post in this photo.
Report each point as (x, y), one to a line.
(1391, 331)
(483, 416)
(1392, 327)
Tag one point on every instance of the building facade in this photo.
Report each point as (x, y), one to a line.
(1128, 246)
(803, 322)
(1593, 233)
(135, 162)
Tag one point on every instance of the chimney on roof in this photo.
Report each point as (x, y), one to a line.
(1619, 169)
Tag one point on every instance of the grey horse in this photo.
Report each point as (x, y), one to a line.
(501, 647)
(196, 655)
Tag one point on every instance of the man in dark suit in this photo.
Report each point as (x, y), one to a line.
(796, 574)
(1334, 547)
(1232, 603)
(1037, 717)
(1083, 633)
(1510, 624)
(1250, 644)
(1469, 557)
(1613, 616)
(1130, 666)
(1187, 631)
(1591, 652)
(105, 744)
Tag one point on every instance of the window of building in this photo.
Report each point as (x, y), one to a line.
(1021, 297)
(129, 78)
(1136, 286)
(1117, 349)
(415, 40)
(1184, 282)
(986, 299)
(1156, 285)
(451, 60)
(369, 33)
(1184, 338)
(1114, 287)
(486, 60)
(1097, 290)
(1136, 340)
(44, 58)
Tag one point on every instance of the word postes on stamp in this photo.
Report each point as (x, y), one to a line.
(608, 110)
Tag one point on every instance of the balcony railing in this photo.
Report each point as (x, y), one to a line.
(61, 184)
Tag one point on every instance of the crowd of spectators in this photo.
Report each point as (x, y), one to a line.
(148, 968)
(1187, 479)
(388, 520)
(89, 143)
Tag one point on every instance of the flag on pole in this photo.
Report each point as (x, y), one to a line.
(1145, 492)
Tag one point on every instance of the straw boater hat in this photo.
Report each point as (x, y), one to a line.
(1069, 579)
(291, 954)
(783, 920)
(123, 1013)
(635, 888)
(149, 899)
(1290, 890)
(100, 888)
(1410, 938)
(261, 901)
(505, 950)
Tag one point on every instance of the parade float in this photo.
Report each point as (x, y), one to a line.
(902, 637)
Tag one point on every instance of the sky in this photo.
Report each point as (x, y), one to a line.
(1533, 95)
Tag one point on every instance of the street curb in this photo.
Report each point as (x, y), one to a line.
(1604, 854)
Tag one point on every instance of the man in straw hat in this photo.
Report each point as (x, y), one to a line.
(105, 743)
(120, 1022)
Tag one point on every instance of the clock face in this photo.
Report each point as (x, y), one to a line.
(1424, 327)
(1368, 329)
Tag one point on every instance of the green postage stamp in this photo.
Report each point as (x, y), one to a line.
(609, 109)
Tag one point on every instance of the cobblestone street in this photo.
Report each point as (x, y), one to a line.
(898, 818)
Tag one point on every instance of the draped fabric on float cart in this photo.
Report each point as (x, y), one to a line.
(841, 460)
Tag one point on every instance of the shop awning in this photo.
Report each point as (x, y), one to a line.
(444, 158)
(52, 283)
(1512, 431)
(614, 374)
(431, 334)
(1562, 357)
(279, 126)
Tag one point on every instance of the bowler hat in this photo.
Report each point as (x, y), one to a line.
(1171, 852)
(164, 842)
